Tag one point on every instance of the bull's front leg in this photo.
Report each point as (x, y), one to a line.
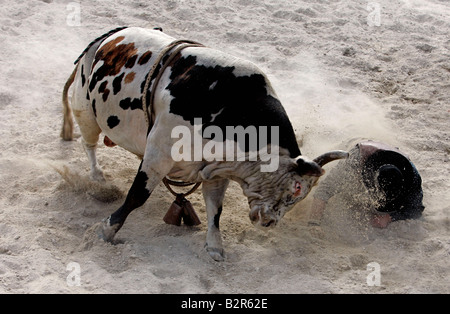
(154, 167)
(213, 193)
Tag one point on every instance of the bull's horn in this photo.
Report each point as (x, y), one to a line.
(330, 156)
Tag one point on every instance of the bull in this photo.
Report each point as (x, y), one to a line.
(134, 87)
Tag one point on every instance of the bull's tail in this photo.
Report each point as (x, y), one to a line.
(67, 129)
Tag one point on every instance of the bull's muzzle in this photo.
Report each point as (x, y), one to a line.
(261, 219)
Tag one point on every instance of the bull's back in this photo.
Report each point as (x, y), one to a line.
(199, 83)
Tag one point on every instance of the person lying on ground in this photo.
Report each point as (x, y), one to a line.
(376, 177)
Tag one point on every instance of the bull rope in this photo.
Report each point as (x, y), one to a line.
(176, 46)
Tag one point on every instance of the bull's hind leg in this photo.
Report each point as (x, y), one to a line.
(90, 133)
(85, 117)
(96, 173)
(213, 193)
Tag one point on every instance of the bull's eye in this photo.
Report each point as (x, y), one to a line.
(298, 188)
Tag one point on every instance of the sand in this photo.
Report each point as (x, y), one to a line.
(342, 69)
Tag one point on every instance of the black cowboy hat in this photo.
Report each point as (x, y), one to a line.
(387, 172)
(390, 181)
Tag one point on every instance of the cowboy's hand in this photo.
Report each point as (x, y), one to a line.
(381, 221)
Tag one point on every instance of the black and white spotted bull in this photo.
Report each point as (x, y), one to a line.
(222, 90)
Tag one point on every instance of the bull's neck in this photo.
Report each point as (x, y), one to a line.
(247, 174)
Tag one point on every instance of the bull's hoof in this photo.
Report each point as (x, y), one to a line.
(216, 254)
(105, 231)
(91, 235)
(97, 232)
(97, 175)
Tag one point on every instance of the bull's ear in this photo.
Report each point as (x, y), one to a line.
(309, 168)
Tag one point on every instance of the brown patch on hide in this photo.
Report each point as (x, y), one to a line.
(130, 77)
(115, 56)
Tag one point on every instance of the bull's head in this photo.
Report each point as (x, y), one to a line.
(271, 195)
